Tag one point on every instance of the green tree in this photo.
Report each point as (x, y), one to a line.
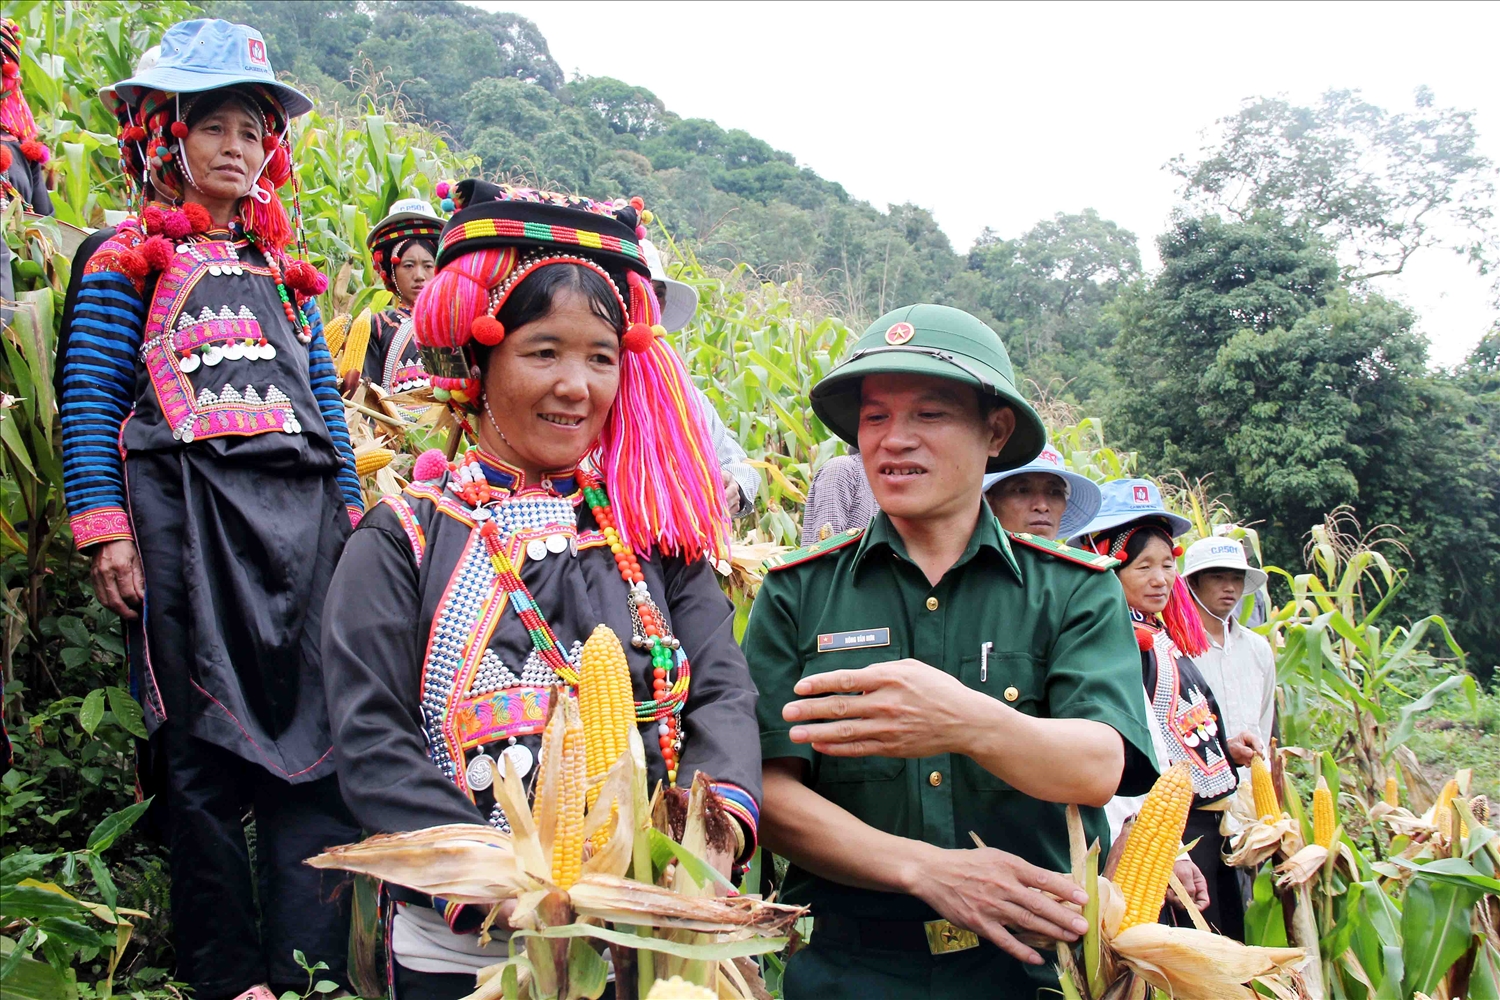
(625, 109)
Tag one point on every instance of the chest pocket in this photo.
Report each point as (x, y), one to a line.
(1008, 673)
(843, 772)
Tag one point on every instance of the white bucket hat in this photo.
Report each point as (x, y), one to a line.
(681, 300)
(1222, 553)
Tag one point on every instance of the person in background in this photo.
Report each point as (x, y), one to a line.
(23, 155)
(403, 249)
(993, 676)
(679, 301)
(1134, 527)
(1042, 497)
(210, 480)
(1237, 664)
(839, 499)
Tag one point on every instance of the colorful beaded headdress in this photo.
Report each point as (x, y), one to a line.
(15, 113)
(398, 231)
(654, 450)
(1179, 616)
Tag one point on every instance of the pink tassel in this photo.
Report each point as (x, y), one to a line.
(1182, 621)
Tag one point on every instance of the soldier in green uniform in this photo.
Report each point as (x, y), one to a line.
(932, 684)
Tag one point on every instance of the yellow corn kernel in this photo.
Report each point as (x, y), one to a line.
(567, 835)
(355, 345)
(1392, 792)
(678, 988)
(1322, 814)
(1266, 805)
(1151, 848)
(371, 459)
(335, 332)
(605, 701)
(1442, 813)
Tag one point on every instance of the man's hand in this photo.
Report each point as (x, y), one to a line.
(731, 491)
(902, 708)
(119, 582)
(1244, 748)
(1193, 881)
(988, 891)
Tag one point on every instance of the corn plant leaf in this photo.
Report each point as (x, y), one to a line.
(1435, 930)
(664, 850)
(1407, 723)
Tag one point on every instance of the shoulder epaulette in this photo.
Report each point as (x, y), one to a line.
(798, 556)
(1082, 557)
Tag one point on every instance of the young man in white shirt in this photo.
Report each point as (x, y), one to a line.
(1238, 664)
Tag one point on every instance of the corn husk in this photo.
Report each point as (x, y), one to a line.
(1301, 867)
(466, 863)
(1191, 963)
(626, 901)
(1252, 839)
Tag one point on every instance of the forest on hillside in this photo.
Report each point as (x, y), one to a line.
(1261, 358)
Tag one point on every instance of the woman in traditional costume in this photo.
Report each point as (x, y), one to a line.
(23, 155)
(591, 498)
(209, 477)
(1134, 527)
(403, 248)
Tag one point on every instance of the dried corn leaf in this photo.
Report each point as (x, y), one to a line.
(625, 901)
(1193, 963)
(462, 862)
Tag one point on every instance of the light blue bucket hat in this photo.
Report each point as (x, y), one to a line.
(1126, 500)
(1083, 494)
(207, 54)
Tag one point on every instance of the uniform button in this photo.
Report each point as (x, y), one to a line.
(935, 778)
(1011, 694)
(932, 606)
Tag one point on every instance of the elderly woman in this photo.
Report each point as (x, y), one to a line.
(1134, 527)
(210, 480)
(403, 248)
(592, 498)
(1042, 497)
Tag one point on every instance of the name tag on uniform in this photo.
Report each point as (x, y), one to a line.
(862, 638)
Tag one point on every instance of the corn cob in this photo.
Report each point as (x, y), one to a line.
(1151, 849)
(1265, 793)
(678, 988)
(567, 835)
(605, 702)
(335, 332)
(1479, 805)
(371, 459)
(1322, 814)
(1392, 793)
(355, 345)
(1442, 813)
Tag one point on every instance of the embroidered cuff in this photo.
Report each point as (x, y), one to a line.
(355, 514)
(461, 918)
(741, 805)
(100, 524)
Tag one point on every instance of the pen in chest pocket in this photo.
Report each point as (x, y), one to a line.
(984, 661)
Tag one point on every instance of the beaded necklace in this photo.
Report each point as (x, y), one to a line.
(670, 671)
(294, 315)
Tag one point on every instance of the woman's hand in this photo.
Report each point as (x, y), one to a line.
(1193, 881)
(1244, 747)
(119, 582)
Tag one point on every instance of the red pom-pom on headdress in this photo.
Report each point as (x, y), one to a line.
(303, 277)
(180, 129)
(158, 253)
(488, 330)
(442, 189)
(9, 70)
(637, 203)
(430, 466)
(198, 218)
(176, 224)
(36, 152)
(638, 338)
(270, 141)
(5, 158)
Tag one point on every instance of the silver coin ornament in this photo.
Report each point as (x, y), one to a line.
(520, 758)
(480, 772)
(212, 356)
(189, 364)
(234, 351)
(536, 549)
(268, 352)
(557, 544)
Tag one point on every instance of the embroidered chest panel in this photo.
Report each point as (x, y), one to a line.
(1188, 724)
(404, 370)
(470, 696)
(220, 354)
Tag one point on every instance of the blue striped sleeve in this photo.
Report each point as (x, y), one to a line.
(325, 388)
(98, 388)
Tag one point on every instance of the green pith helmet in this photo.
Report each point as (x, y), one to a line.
(930, 340)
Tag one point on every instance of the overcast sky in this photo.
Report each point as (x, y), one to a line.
(1001, 115)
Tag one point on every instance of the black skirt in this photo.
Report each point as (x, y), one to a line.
(237, 563)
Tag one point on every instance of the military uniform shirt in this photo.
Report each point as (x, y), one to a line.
(1062, 647)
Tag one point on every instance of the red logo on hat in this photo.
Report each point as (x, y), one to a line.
(257, 51)
(1142, 495)
(899, 333)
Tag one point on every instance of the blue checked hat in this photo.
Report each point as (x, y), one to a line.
(1125, 500)
(207, 54)
(1083, 494)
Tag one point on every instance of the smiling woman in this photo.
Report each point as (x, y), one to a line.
(460, 607)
